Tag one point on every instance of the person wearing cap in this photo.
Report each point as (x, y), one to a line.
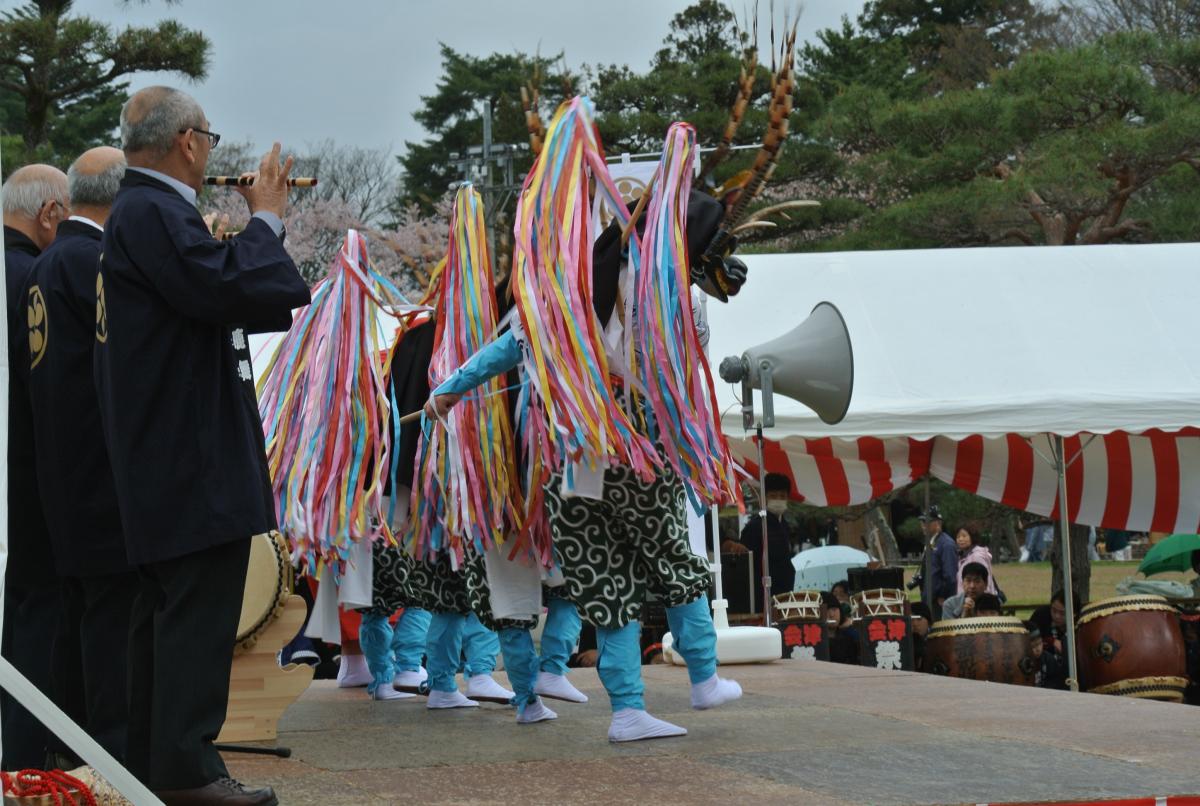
(779, 537)
(944, 561)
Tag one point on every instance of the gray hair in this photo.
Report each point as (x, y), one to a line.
(26, 191)
(169, 111)
(98, 189)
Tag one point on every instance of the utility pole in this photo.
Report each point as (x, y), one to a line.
(489, 167)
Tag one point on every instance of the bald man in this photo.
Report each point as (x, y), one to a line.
(185, 442)
(74, 477)
(35, 201)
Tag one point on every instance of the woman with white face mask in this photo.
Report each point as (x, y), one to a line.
(779, 535)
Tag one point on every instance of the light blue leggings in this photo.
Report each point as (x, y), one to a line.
(559, 636)
(480, 645)
(449, 635)
(620, 663)
(390, 651)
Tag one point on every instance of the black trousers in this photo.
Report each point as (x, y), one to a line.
(181, 641)
(91, 655)
(31, 616)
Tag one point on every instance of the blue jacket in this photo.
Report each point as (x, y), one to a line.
(173, 374)
(945, 567)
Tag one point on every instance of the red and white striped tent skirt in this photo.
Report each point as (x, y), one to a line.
(965, 360)
(1139, 482)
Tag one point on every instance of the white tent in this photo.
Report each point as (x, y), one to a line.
(960, 353)
(1058, 380)
(959, 342)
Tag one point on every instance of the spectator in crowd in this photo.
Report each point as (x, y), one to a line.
(988, 604)
(975, 579)
(1117, 543)
(920, 629)
(1035, 651)
(1052, 624)
(781, 541)
(843, 637)
(841, 590)
(1039, 534)
(943, 561)
(969, 551)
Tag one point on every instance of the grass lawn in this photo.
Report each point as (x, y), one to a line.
(1029, 583)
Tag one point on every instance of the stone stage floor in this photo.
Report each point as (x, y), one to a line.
(804, 732)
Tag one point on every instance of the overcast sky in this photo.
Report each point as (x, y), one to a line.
(304, 70)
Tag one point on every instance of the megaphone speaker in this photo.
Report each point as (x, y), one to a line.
(813, 364)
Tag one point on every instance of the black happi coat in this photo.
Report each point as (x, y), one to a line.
(173, 373)
(409, 385)
(74, 476)
(30, 560)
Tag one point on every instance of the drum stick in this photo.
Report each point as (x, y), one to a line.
(246, 181)
(411, 417)
(637, 211)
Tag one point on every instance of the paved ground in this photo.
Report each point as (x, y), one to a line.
(804, 733)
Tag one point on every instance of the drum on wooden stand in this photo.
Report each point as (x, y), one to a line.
(1131, 646)
(268, 585)
(259, 689)
(800, 619)
(798, 605)
(992, 648)
(884, 629)
(879, 602)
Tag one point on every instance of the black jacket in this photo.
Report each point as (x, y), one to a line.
(409, 380)
(779, 541)
(74, 475)
(173, 372)
(30, 560)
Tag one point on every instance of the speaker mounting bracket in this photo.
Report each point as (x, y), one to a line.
(768, 394)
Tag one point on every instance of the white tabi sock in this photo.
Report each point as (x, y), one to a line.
(557, 687)
(713, 692)
(535, 711)
(634, 724)
(353, 671)
(386, 692)
(449, 699)
(484, 687)
(410, 679)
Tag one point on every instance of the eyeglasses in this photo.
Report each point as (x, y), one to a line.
(52, 203)
(213, 137)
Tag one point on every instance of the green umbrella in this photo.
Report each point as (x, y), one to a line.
(1172, 553)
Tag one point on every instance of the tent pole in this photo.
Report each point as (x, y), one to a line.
(1060, 463)
(762, 517)
(718, 586)
(927, 565)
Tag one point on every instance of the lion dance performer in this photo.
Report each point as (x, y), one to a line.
(467, 500)
(614, 476)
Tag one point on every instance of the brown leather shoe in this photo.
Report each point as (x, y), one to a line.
(221, 792)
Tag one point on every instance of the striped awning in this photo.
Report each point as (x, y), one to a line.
(1139, 482)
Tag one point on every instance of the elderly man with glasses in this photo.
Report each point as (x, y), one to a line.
(181, 423)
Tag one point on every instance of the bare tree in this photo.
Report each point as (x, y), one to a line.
(1085, 20)
(365, 179)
